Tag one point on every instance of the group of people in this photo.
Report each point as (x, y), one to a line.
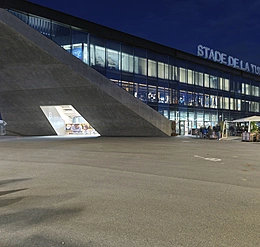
(210, 132)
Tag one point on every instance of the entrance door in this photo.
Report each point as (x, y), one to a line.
(182, 127)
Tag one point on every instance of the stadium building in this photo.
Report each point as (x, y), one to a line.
(57, 71)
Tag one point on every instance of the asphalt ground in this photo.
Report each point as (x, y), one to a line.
(173, 191)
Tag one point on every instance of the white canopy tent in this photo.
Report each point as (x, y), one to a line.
(247, 120)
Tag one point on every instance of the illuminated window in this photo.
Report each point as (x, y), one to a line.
(183, 98)
(213, 81)
(140, 65)
(112, 59)
(97, 55)
(239, 104)
(152, 71)
(225, 102)
(173, 73)
(77, 51)
(190, 76)
(231, 104)
(183, 75)
(213, 101)
(161, 70)
(206, 100)
(247, 89)
(151, 96)
(166, 72)
(206, 80)
(226, 84)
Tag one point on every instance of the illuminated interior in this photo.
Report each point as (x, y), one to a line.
(65, 120)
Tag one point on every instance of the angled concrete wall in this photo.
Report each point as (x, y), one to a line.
(35, 72)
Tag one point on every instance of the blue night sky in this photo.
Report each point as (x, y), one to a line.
(229, 26)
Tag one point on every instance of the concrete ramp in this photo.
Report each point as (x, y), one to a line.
(34, 72)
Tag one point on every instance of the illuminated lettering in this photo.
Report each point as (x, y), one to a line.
(216, 56)
(206, 51)
(253, 68)
(258, 70)
(200, 51)
(230, 61)
(224, 58)
(212, 55)
(247, 67)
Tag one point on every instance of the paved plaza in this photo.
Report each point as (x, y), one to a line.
(126, 192)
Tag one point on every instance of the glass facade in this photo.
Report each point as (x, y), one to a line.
(191, 94)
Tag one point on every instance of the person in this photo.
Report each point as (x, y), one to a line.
(197, 132)
(201, 132)
(218, 131)
(231, 130)
(2, 127)
(210, 132)
(76, 128)
(204, 132)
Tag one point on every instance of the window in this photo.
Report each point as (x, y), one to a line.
(161, 70)
(198, 78)
(112, 59)
(97, 55)
(245, 105)
(80, 45)
(77, 51)
(199, 100)
(163, 95)
(141, 88)
(152, 96)
(213, 81)
(220, 98)
(140, 62)
(142, 92)
(174, 96)
(190, 76)
(43, 26)
(183, 115)
(152, 70)
(166, 72)
(206, 100)
(190, 99)
(183, 98)
(21, 16)
(127, 58)
(113, 55)
(254, 106)
(247, 89)
(128, 86)
(97, 52)
(226, 84)
(225, 102)
(152, 64)
(206, 80)
(173, 73)
(183, 75)
(255, 91)
(232, 104)
(213, 101)
(127, 62)
(238, 104)
(61, 34)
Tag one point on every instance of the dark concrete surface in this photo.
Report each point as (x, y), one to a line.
(34, 72)
(172, 191)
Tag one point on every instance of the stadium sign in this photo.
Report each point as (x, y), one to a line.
(220, 57)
